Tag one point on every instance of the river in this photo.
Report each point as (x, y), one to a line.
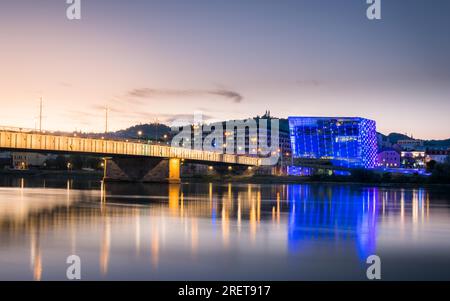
(221, 231)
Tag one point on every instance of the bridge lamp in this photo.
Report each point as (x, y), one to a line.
(230, 168)
(210, 167)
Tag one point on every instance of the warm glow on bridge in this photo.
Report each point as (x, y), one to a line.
(39, 142)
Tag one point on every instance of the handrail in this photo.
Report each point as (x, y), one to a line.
(65, 143)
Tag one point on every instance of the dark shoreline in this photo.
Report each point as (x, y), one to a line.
(61, 174)
(98, 175)
(306, 180)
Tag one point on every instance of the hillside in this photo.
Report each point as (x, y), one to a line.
(395, 137)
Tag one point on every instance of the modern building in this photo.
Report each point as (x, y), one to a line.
(413, 159)
(344, 141)
(389, 158)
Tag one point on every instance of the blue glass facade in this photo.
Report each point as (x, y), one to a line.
(345, 141)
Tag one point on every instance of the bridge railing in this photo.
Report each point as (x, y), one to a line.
(44, 142)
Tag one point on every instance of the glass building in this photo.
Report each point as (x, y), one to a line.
(345, 141)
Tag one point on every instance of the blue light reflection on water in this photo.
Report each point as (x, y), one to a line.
(341, 212)
(223, 231)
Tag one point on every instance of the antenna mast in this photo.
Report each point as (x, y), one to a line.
(106, 120)
(40, 116)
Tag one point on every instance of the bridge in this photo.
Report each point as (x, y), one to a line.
(125, 160)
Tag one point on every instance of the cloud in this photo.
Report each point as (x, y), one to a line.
(309, 83)
(235, 96)
(102, 108)
(65, 84)
(130, 114)
(152, 93)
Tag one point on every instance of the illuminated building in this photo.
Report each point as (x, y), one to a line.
(23, 160)
(410, 144)
(388, 158)
(344, 141)
(413, 159)
(440, 156)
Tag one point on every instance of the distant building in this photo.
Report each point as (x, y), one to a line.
(413, 159)
(389, 158)
(27, 160)
(246, 144)
(345, 141)
(410, 144)
(440, 156)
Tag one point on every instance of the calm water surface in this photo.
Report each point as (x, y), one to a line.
(202, 231)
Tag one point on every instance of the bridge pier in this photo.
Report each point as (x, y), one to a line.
(142, 169)
(223, 170)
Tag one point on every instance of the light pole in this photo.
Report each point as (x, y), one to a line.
(40, 116)
(106, 120)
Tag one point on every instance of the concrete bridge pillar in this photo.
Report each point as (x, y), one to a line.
(142, 169)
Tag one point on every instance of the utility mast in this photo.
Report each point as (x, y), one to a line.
(40, 116)
(106, 120)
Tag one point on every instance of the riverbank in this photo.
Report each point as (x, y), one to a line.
(60, 174)
(266, 179)
(309, 180)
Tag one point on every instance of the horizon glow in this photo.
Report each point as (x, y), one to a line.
(161, 60)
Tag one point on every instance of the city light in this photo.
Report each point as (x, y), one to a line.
(348, 142)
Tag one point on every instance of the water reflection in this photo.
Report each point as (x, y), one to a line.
(167, 231)
(334, 213)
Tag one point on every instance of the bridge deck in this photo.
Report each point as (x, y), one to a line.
(29, 142)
